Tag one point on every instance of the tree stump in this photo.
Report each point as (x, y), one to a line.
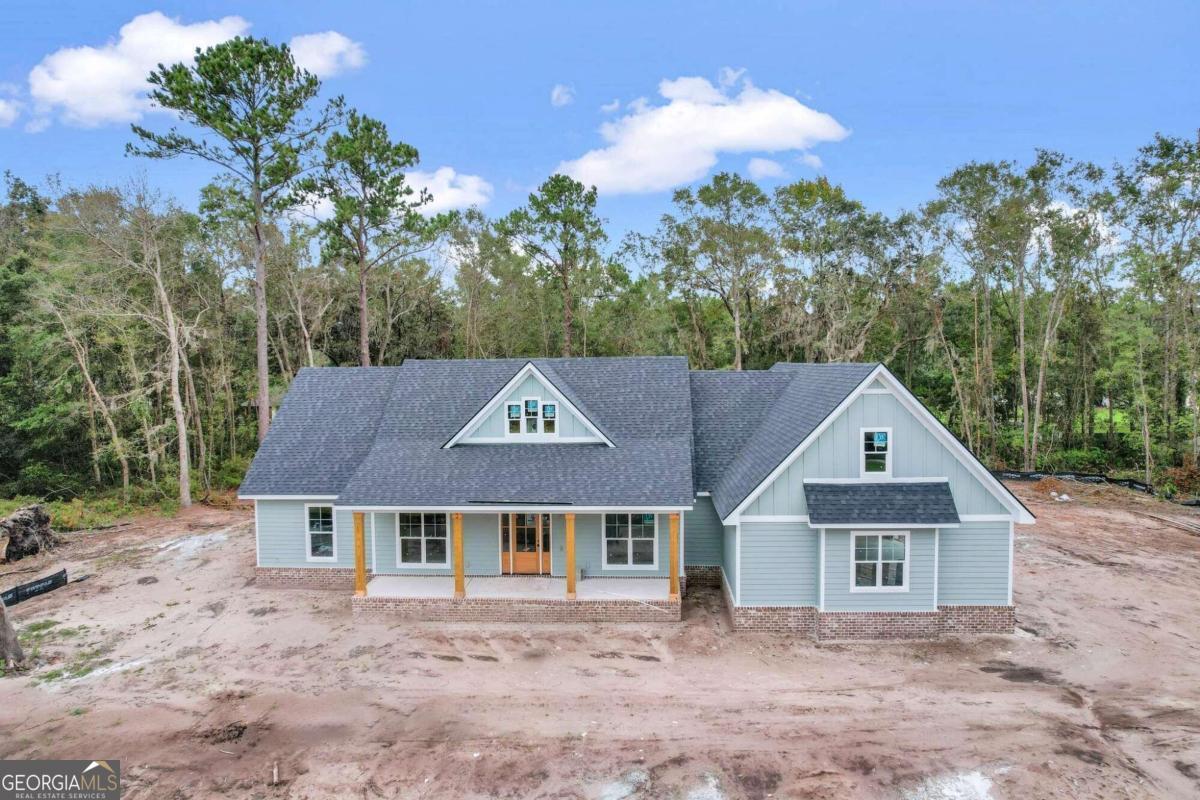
(10, 648)
(28, 531)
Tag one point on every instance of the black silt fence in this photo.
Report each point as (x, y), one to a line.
(25, 591)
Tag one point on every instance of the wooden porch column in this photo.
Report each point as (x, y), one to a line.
(360, 556)
(570, 556)
(674, 525)
(460, 584)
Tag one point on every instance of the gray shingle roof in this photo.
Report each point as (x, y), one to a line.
(641, 404)
(880, 503)
(727, 408)
(812, 392)
(322, 431)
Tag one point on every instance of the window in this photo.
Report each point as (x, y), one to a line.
(876, 452)
(421, 540)
(530, 416)
(320, 533)
(631, 541)
(880, 562)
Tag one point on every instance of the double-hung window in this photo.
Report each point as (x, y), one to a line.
(880, 562)
(530, 416)
(320, 533)
(421, 540)
(876, 453)
(630, 541)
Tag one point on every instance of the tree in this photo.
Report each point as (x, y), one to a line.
(559, 231)
(376, 213)
(250, 98)
(720, 242)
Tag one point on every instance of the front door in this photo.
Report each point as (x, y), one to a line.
(525, 544)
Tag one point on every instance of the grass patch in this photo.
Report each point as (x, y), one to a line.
(96, 510)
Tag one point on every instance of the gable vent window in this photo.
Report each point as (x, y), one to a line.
(514, 417)
(876, 452)
(531, 415)
(549, 417)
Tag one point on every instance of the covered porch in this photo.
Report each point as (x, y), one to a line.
(519, 587)
(561, 578)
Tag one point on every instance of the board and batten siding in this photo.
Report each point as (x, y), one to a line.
(493, 426)
(973, 564)
(780, 564)
(729, 558)
(839, 576)
(282, 535)
(916, 453)
(703, 544)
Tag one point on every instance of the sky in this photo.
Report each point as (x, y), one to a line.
(636, 98)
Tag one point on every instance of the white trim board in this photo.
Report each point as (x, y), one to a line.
(314, 497)
(886, 526)
(498, 399)
(1020, 514)
(881, 479)
(519, 508)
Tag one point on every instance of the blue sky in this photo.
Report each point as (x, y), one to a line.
(883, 98)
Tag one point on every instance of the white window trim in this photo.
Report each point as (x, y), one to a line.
(449, 562)
(862, 453)
(542, 418)
(521, 419)
(879, 573)
(308, 556)
(604, 546)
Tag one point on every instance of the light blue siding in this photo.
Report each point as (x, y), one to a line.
(839, 577)
(779, 564)
(916, 453)
(589, 541)
(481, 546)
(973, 565)
(729, 559)
(493, 425)
(282, 537)
(702, 543)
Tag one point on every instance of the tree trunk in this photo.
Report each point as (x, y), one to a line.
(568, 312)
(10, 646)
(181, 427)
(194, 406)
(262, 361)
(93, 439)
(364, 319)
(28, 531)
(1022, 371)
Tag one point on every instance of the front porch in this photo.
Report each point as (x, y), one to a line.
(519, 587)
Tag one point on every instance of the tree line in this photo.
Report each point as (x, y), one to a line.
(1045, 310)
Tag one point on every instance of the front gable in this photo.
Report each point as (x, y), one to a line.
(529, 409)
(920, 448)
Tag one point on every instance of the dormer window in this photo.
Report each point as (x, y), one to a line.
(531, 416)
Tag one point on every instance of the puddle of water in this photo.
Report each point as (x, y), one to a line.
(963, 786)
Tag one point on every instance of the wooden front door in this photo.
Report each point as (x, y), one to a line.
(525, 544)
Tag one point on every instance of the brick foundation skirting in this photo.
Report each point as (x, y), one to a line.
(306, 577)
(495, 609)
(703, 575)
(868, 625)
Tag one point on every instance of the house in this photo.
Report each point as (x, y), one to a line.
(824, 499)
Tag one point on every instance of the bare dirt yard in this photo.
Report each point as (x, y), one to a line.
(171, 659)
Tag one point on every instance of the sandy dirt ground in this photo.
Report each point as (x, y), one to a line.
(169, 658)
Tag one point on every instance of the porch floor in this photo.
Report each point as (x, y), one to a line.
(521, 587)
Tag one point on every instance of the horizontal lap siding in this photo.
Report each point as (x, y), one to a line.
(588, 543)
(835, 454)
(481, 546)
(702, 545)
(838, 577)
(779, 564)
(282, 535)
(973, 564)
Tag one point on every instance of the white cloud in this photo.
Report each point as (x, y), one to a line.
(813, 160)
(451, 189)
(609, 108)
(561, 95)
(657, 147)
(327, 54)
(9, 111)
(95, 85)
(90, 86)
(760, 168)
